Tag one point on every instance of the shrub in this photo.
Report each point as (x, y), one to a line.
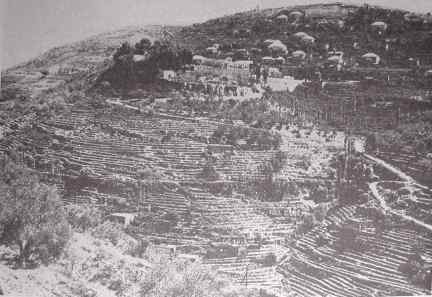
(83, 217)
(209, 173)
(320, 212)
(181, 279)
(306, 225)
(319, 194)
(82, 291)
(138, 249)
(32, 216)
(269, 260)
(347, 238)
(108, 230)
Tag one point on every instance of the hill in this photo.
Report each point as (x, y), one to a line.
(277, 189)
(338, 25)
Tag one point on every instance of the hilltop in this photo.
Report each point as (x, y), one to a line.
(336, 24)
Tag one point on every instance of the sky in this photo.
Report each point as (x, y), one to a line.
(30, 27)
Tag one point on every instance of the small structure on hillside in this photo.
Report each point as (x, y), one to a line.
(308, 39)
(301, 55)
(379, 26)
(168, 75)
(190, 258)
(268, 60)
(122, 218)
(300, 35)
(282, 18)
(372, 58)
(139, 58)
(197, 59)
(280, 60)
(274, 72)
(241, 64)
(286, 83)
(212, 50)
(167, 250)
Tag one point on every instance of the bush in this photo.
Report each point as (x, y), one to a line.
(82, 291)
(306, 225)
(320, 212)
(347, 238)
(270, 260)
(109, 230)
(32, 216)
(138, 250)
(181, 279)
(83, 217)
(209, 173)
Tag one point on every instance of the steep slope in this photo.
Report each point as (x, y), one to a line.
(80, 272)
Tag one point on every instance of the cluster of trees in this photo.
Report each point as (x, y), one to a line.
(310, 220)
(268, 260)
(141, 63)
(320, 193)
(13, 93)
(347, 238)
(157, 221)
(32, 217)
(83, 217)
(209, 173)
(268, 189)
(253, 139)
(414, 136)
(254, 112)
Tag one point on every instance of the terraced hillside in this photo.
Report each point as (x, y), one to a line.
(96, 157)
(269, 188)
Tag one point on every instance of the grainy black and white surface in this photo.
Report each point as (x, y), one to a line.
(268, 149)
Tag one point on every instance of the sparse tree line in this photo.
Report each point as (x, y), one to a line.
(246, 138)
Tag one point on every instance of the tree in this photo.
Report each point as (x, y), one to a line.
(371, 142)
(142, 46)
(269, 260)
(209, 173)
(32, 216)
(83, 217)
(306, 225)
(319, 194)
(144, 178)
(320, 212)
(124, 50)
(347, 236)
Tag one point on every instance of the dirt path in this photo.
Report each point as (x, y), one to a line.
(407, 180)
(392, 168)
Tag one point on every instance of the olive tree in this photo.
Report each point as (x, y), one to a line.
(32, 218)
